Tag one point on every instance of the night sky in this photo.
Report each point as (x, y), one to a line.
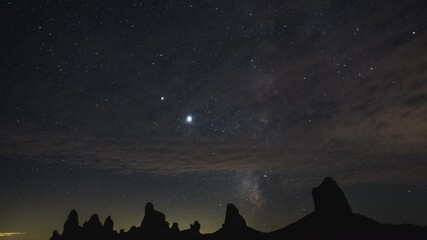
(106, 105)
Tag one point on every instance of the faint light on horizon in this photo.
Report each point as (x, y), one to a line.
(10, 234)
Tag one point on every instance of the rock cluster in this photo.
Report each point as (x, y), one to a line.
(332, 218)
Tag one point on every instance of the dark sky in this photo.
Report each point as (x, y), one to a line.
(106, 105)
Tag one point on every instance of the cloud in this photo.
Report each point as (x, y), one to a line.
(186, 156)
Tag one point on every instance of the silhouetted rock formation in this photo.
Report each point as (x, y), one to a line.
(55, 236)
(331, 219)
(72, 223)
(153, 219)
(334, 219)
(175, 227)
(330, 199)
(234, 227)
(233, 219)
(192, 233)
(154, 224)
(107, 230)
(195, 227)
(108, 225)
(72, 230)
(93, 226)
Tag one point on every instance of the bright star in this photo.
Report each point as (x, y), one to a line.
(162, 98)
(189, 119)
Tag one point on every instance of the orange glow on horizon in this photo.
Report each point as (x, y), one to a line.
(10, 234)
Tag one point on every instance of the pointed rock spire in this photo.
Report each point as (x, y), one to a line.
(329, 198)
(108, 224)
(233, 219)
(71, 226)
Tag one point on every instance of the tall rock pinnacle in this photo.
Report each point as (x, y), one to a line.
(108, 224)
(233, 219)
(329, 198)
(71, 226)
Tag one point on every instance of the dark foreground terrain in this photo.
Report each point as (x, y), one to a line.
(331, 219)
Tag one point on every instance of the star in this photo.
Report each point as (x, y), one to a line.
(162, 98)
(189, 119)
